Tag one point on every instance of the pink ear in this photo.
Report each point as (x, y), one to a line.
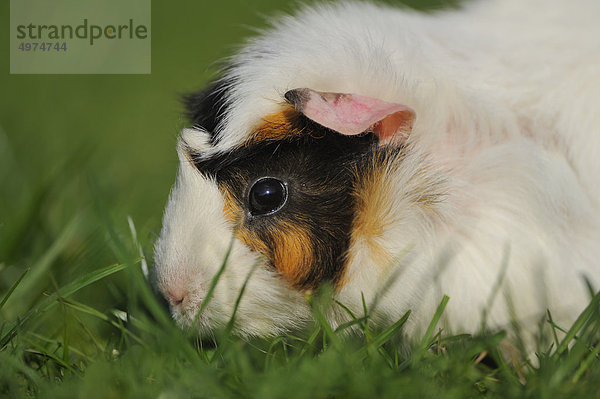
(352, 114)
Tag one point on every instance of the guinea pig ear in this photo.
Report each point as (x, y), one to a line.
(352, 114)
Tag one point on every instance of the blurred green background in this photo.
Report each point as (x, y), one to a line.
(119, 128)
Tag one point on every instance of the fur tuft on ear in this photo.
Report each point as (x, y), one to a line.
(352, 114)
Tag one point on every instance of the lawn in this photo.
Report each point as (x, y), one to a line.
(86, 165)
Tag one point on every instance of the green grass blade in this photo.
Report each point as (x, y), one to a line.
(346, 309)
(213, 285)
(80, 307)
(365, 316)
(391, 331)
(231, 322)
(322, 320)
(586, 363)
(427, 337)
(309, 342)
(40, 269)
(384, 336)
(12, 288)
(354, 320)
(83, 308)
(351, 323)
(91, 278)
(579, 324)
(64, 292)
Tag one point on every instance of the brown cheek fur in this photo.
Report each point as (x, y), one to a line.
(276, 127)
(230, 209)
(235, 215)
(283, 125)
(375, 202)
(292, 252)
(372, 213)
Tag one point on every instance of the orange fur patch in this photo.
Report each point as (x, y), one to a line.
(293, 253)
(277, 126)
(372, 212)
(230, 208)
(375, 198)
(253, 242)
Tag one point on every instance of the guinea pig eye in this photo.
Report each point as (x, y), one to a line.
(267, 196)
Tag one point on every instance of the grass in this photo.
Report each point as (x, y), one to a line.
(66, 347)
(69, 344)
(86, 163)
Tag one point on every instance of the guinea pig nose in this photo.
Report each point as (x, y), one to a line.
(175, 297)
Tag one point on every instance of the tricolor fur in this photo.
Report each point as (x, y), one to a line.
(481, 169)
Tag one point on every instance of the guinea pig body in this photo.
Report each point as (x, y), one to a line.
(398, 156)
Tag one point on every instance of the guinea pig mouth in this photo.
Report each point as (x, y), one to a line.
(189, 318)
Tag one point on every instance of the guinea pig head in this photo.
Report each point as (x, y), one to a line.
(280, 210)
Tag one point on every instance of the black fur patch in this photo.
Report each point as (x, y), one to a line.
(320, 172)
(206, 108)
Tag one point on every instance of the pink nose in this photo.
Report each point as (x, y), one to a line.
(175, 296)
(181, 292)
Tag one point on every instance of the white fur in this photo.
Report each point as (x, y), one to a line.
(507, 98)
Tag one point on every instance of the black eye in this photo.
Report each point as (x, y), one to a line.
(267, 196)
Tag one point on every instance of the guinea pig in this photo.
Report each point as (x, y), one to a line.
(398, 157)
